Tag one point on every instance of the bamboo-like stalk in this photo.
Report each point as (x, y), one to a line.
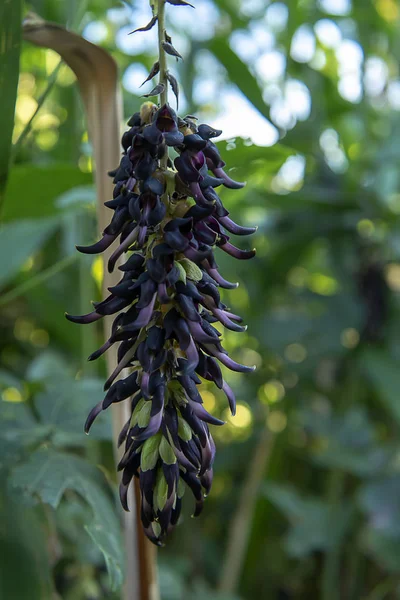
(97, 76)
(239, 531)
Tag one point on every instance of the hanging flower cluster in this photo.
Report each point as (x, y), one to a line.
(168, 219)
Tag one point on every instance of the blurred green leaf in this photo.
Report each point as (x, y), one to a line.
(25, 570)
(348, 442)
(66, 404)
(10, 34)
(383, 548)
(381, 500)
(49, 366)
(18, 429)
(383, 372)
(18, 241)
(48, 474)
(311, 519)
(77, 198)
(171, 584)
(32, 190)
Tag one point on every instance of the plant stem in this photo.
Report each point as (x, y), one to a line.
(330, 576)
(162, 59)
(51, 82)
(162, 56)
(243, 517)
(41, 277)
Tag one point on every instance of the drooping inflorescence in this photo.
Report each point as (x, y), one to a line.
(168, 220)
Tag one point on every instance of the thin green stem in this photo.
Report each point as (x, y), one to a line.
(162, 59)
(37, 279)
(75, 23)
(162, 56)
(41, 101)
(239, 531)
(330, 575)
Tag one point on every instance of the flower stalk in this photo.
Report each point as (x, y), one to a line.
(162, 56)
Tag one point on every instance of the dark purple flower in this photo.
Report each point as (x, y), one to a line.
(165, 305)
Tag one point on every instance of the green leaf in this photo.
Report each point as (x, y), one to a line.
(184, 430)
(48, 474)
(380, 500)
(249, 159)
(166, 452)
(18, 241)
(347, 442)
(150, 453)
(384, 374)
(193, 272)
(156, 528)
(32, 191)
(18, 431)
(65, 406)
(144, 415)
(311, 520)
(136, 412)
(160, 491)
(77, 198)
(182, 272)
(10, 35)
(25, 571)
(181, 488)
(49, 366)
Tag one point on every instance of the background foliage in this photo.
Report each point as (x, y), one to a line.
(310, 465)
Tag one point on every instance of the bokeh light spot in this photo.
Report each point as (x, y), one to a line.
(95, 32)
(392, 275)
(295, 353)
(23, 329)
(47, 139)
(209, 400)
(12, 394)
(97, 271)
(321, 284)
(243, 417)
(349, 338)
(28, 264)
(365, 228)
(39, 338)
(25, 107)
(272, 392)
(276, 421)
(388, 10)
